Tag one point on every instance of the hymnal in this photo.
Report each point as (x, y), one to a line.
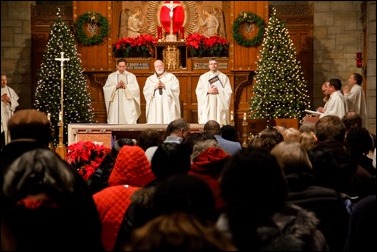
(216, 82)
(313, 112)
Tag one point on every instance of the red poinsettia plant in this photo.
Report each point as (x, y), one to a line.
(202, 46)
(140, 46)
(85, 157)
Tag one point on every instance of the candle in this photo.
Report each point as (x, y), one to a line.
(244, 116)
(60, 116)
(231, 116)
(49, 116)
(159, 32)
(182, 30)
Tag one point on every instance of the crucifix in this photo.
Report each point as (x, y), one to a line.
(60, 149)
(171, 7)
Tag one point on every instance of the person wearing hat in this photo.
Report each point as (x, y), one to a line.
(29, 129)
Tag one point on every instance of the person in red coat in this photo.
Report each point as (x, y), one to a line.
(132, 171)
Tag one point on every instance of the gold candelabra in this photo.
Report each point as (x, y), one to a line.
(61, 150)
(51, 143)
(244, 135)
(231, 123)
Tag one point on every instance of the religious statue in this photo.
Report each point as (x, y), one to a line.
(130, 24)
(213, 23)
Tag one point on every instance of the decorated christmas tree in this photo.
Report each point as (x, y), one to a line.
(77, 106)
(280, 90)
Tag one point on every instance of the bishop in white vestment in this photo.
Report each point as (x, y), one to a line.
(161, 92)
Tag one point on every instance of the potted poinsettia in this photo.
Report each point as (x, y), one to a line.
(140, 46)
(201, 46)
(85, 157)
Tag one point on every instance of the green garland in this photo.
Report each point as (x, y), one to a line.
(90, 18)
(248, 18)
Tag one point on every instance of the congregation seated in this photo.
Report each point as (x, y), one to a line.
(308, 140)
(212, 127)
(362, 226)
(187, 231)
(207, 162)
(184, 208)
(47, 206)
(303, 191)
(131, 171)
(229, 132)
(99, 179)
(257, 216)
(333, 167)
(169, 159)
(29, 129)
(148, 140)
(189, 141)
(266, 139)
(359, 143)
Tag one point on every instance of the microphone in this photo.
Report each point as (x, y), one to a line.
(159, 89)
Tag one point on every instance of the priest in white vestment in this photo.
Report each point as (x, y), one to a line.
(122, 96)
(161, 92)
(355, 97)
(9, 103)
(213, 93)
(336, 104)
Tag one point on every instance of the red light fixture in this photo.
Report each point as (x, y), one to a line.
(359, 59)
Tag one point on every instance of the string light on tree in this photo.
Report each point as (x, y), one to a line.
(77, 102)
(280, 90)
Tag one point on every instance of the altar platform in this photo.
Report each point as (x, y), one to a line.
(107, 133)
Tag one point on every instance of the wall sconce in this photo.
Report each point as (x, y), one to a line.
(359, 59)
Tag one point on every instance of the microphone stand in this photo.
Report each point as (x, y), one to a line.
(158, 77)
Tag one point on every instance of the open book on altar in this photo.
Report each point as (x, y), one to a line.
(216, 82)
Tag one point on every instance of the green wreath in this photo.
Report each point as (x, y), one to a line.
(248, 18)
(93, 18)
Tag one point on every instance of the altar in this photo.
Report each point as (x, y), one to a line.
(107, 133)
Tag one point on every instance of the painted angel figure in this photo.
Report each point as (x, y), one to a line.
(213, 23)
(130, 24)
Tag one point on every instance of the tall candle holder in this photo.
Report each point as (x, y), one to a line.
(61, 150)
(50, 144)
(244, 135)
(231, 123)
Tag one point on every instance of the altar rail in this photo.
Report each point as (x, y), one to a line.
(106, 133)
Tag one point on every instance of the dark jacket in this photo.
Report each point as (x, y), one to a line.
(326, 203)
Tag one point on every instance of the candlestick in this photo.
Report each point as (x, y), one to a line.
(159, 32)
(182, 31)
(244, 116)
